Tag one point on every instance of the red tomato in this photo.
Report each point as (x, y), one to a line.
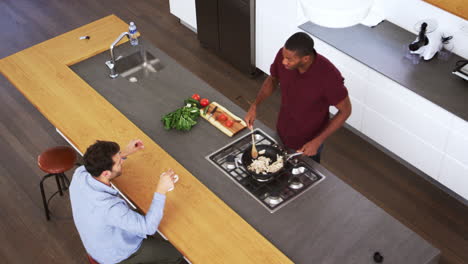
(228, 123)
(204, 102)
(222, 117)
(196, 97)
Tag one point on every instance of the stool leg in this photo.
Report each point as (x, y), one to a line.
(57, 176)
(44, 201)
(62, 181)
(66, 180)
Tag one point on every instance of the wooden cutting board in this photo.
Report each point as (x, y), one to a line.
(238, 125)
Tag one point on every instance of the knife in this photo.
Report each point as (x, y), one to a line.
(212, 112)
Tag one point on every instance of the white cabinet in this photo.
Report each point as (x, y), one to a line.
(399, 141)
(185, 11)
(356, 84)
(454, 175)
(355, 120)
(385, 97)
(457, 144)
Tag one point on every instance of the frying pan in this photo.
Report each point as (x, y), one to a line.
(270, 152)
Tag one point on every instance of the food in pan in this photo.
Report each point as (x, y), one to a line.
(263, 165)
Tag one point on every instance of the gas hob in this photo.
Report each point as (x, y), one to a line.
(296, 179)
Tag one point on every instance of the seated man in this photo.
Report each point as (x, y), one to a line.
(111, 231)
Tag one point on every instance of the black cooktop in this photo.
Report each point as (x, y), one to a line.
(296, 178)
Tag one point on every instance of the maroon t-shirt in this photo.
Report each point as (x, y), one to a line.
(306, 98)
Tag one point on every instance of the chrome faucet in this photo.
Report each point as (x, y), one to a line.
(111, 63)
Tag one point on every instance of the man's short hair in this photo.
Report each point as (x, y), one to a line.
(301, 43)
(98, 157)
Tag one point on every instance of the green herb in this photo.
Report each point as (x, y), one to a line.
(183, 118)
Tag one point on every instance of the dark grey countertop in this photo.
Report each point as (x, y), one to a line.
(330, 223)
(383, 48)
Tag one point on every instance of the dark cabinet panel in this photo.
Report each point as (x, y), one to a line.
(227, 28)
(207, 23)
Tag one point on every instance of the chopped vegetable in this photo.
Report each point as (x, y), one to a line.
(204, 102)
(196, 97)
(205, 110)
(221, 117)
(190, 102)
(228, 123)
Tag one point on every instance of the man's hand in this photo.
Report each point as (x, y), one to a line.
(166, 181)
(132, 147)
(311, 147)
(250, 116)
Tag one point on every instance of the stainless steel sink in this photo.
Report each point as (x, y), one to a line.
(135, 66)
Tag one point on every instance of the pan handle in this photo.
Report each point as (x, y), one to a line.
(289, 156)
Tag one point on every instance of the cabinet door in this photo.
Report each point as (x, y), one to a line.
(207, 20)
(454, 175)
(355, 120)
(185, 11)
(402, 143)
(457, 144)
(388, 99)
(234, 33)
(357, 86)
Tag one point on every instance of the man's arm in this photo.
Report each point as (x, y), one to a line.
(121, 216)
(132, 147)
(344, 111)
(268, 86)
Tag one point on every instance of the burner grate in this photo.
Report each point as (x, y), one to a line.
(297, 178)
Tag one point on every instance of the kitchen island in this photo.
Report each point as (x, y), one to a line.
(208, 218)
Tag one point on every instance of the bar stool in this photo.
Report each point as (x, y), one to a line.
(91, 260)
(55, 161)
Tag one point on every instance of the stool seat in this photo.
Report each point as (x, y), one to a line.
(57, 159)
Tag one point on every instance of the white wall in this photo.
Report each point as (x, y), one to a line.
(406, 13)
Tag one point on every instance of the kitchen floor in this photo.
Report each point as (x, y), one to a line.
(24, 133)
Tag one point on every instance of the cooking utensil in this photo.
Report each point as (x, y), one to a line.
(270, 152)
(212, 112)
(254, 152)
(289, 156)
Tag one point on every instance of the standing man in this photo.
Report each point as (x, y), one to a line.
(111, 231)
(309, 84)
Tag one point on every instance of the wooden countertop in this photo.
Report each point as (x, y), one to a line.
(196, 221)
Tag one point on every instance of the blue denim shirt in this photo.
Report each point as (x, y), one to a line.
(110, 230)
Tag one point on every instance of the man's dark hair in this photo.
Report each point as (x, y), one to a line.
(98, 157)
(301, 43)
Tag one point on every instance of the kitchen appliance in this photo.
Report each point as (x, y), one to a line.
(428, 42)
(227, 27)
(461, 69)
(295, 179)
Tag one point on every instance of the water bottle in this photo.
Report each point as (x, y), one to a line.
(133, 34)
